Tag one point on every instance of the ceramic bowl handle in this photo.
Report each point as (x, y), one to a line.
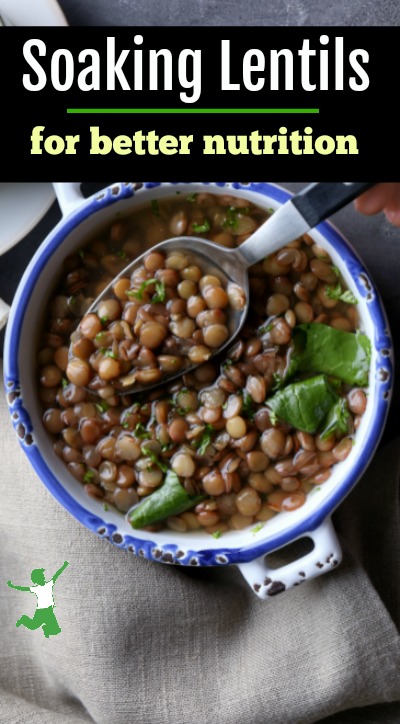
(325, 555)
(69, 196)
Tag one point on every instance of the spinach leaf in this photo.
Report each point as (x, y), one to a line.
(170, 499)
(319, 348)
(336, 420)
(304, 405)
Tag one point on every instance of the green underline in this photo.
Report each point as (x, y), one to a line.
(192, 110)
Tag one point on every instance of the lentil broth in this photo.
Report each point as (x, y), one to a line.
(237, 465)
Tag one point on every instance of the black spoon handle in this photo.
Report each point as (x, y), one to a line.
(318, 201)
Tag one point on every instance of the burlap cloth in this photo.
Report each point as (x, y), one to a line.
(144, 643)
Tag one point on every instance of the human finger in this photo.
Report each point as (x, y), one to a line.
(379, 197)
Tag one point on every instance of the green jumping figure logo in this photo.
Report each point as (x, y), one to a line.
(44, 615)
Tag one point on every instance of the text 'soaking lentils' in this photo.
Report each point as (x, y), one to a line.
(206, 450)
(167, 316)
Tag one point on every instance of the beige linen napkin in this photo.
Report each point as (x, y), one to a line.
(146, 643)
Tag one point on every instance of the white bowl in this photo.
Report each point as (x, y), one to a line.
(245, 548)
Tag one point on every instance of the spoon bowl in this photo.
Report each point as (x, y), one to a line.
(212, 259)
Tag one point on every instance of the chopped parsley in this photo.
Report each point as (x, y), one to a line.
(138, 294)
(64, 383)
(266, 328)
(155, 207)
(155, 460)
(105, 506)
(192, 197)
(126, 425)
(166, 447)
(228, 363)
(257, 528)
(104, 320)
(108, 353)
(204, 441)
(121, 253)
(102, 406)
(348, 297)
(141, 432)
(81, 253)
(88, 476)
(338, 293)
(160, 293)
(182, 410)
(201, 228)
(216, 534)
(232, 214)
(335, 270)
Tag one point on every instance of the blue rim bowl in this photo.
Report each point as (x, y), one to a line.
(19, 378)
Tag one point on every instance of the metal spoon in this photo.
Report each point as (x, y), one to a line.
(294, 218)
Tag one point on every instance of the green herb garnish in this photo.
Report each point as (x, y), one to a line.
(335, 270)
(201, 228)
(257, 528)
(266, 328)
(102, 406)
(204, 441)
(108, 353)
(64, 383)
(81, 253)
(155, 460)
(192, 197)
(104, 320)
(126, 425)
(348, 297)
(216, 534)
(336, 292)
(121, 253)
(182, 410)
(155, 207)
(160, 293)
(141, 432)
(232, 214)
(105, 506)
(138, 293)
(88, 476)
